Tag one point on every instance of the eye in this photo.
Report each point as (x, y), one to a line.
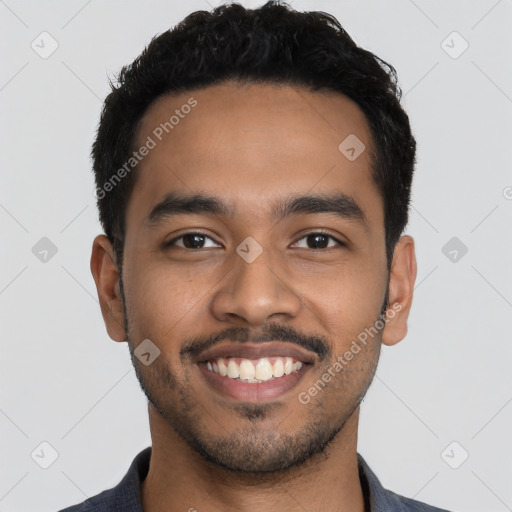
(195, 240)
(190, 241)
(319, 240)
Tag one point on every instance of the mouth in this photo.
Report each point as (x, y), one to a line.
(254, 373)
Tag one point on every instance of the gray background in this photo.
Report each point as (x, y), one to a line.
(64, 382)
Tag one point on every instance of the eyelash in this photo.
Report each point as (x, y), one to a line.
(172, 242)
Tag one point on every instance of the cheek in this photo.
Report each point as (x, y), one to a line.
(346, 300)
(161, 300)
(341, 382)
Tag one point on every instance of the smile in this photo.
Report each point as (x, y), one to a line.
(251, 380)
(254, 371)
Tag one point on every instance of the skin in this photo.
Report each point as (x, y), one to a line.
(250, 146)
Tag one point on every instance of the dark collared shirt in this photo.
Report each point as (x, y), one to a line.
(125, 497)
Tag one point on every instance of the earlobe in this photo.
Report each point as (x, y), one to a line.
(106, 277)
(401, 286)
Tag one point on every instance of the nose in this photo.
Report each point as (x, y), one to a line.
(254, 292)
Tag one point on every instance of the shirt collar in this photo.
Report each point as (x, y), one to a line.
(377, 498)
(127, 496)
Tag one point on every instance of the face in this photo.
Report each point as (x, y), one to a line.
(254, 246)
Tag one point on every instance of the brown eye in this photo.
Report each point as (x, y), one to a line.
(319, 241)
(190, 241)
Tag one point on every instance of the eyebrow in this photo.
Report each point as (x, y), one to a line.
(339, 204)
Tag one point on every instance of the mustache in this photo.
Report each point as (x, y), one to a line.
(272, 332)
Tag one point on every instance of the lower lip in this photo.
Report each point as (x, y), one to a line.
(253, 392)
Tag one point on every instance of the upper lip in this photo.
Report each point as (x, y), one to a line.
(256, 351)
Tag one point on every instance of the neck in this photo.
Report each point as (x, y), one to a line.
(181, 480)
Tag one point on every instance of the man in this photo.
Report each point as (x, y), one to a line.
(253, 172)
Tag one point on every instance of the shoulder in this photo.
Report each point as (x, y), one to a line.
(103, 502)
(383, 500)
(124, 497)
(410, 505)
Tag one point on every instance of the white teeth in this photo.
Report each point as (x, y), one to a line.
(253, 372)
(233, 369)
(247, 370)
(278, 368)
(223, 369)
(263, 369)
(288, 366)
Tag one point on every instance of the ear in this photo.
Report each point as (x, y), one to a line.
(401, 286)
(106, 277)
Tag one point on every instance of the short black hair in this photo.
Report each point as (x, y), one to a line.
(273, 44)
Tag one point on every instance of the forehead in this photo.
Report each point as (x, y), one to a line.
(252, 144)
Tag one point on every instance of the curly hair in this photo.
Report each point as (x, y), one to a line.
(271, 44)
